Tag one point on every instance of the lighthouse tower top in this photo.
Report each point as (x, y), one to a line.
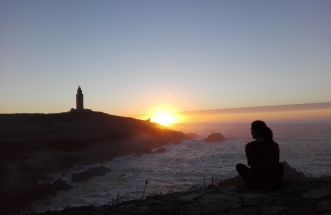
(79, 90)
(79, 99)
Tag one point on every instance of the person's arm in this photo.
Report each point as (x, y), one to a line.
(248, 154)
(277, 152)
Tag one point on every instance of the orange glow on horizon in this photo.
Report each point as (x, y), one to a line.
(169, 116)
(163, 118)
(164, 115)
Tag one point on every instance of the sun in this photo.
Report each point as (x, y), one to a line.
(165, 118)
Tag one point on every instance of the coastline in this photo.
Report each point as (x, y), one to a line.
(36, 145)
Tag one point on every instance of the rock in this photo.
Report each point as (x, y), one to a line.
(217, 202)
(214, 137)
(316, 193)
(287, 199)
(142, 208)
(302, 208)
(137, 209)
(245, 211)
(271, 210)
(230, 190)
(59, 184)
(233, 181)
(255, 199)
(160, 150)
(292, 175)
(191, 209)
(324, 205)
(189, 197)
(90, 173)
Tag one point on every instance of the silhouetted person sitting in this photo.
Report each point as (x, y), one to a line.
(265, 171)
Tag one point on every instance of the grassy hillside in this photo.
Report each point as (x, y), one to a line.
(74, 131)
(70, 125)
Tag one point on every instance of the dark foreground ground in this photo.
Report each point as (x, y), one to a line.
(307, 198)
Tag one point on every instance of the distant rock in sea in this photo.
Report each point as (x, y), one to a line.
(214, 137)
(90, 173)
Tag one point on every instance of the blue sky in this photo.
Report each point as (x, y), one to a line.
(129, 56)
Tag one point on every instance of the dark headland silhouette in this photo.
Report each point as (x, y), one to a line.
(34, 145)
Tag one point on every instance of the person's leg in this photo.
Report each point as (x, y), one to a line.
(242, 169)
(281, 169)
(281, 174)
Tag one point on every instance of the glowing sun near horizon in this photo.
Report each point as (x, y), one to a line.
(165, 118)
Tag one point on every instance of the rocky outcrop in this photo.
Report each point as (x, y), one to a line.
(312, 197)
(60, 184)
(160, 150)
(214, 137)
(299, 195)
(90, 173)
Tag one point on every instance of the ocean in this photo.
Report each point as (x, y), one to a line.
(305, 146)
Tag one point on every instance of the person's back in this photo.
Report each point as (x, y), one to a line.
(263, 158)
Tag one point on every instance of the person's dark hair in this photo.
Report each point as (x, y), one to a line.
(258, 124)
(261, 128)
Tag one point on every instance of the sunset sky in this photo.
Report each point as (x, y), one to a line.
(130, 56)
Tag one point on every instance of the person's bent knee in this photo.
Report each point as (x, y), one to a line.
(281, 169)
(240, 167)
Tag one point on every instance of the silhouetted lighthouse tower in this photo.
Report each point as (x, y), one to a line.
(79, 99)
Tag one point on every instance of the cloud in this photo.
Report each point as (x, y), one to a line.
(260, 109)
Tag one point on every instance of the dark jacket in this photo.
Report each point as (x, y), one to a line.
(263, 158)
